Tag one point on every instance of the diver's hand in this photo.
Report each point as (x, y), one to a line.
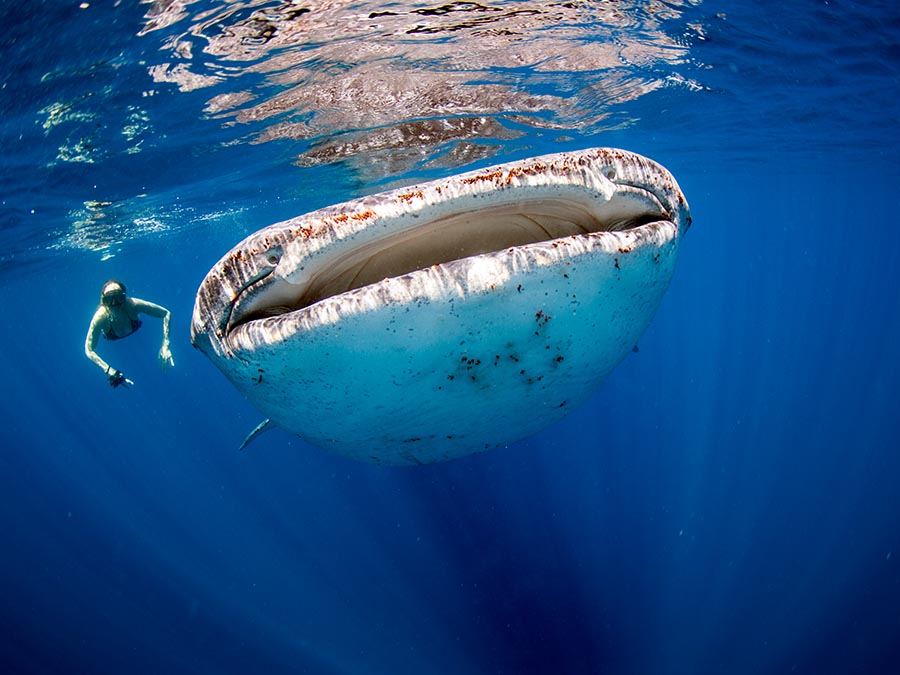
(165, 358)
(117, 379)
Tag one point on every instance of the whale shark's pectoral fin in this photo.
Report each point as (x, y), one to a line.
(257, 430)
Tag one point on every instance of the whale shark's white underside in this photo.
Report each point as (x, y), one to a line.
(434, 321)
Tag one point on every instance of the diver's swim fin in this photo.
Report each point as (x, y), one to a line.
(261, 427)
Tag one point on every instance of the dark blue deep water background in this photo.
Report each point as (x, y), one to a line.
(727, 502)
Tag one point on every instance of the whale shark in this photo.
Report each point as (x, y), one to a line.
(430, 322)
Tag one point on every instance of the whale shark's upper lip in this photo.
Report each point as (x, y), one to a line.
(287, 268)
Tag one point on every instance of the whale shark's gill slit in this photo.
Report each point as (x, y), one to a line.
(461, 235)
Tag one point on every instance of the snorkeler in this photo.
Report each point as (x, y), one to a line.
(117, 317)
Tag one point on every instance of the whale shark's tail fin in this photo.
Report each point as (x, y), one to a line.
(258, 429)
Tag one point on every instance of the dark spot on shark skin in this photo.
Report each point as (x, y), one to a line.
(541, 319)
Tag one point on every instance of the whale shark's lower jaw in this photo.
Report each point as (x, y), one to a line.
(433, 321)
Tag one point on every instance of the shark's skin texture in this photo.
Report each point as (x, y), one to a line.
(496, 302)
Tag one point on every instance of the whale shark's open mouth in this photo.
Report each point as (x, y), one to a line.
(466, 234)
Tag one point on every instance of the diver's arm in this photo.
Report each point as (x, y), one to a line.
(90, 342)
(151, 308)
(158, 311)
(115, 377)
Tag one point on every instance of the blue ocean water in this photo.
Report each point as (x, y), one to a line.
(727, 502)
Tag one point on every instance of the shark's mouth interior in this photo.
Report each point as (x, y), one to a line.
(462, 235)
